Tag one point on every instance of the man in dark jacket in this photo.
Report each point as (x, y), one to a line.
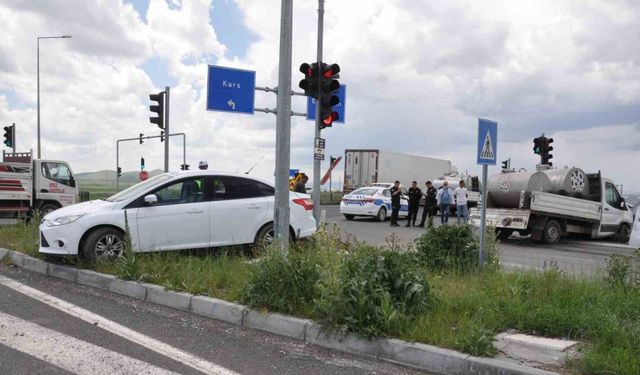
(429, 205)
(414, 203)
(395, 203)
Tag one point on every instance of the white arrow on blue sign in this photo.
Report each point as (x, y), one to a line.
(340, 107)
(230, 89)
(487, 142)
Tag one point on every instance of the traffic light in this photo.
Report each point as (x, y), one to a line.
(157, 109)
(537, 145)
(506, 164)
(119, 172)
(331, 160)
(141, 141)
(161, 136)
(142, 164)
(329, 85)
(310, 82)
(546, 149)
(9, 135)
(184, 167)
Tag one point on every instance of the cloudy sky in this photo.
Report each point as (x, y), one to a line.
(419, 74)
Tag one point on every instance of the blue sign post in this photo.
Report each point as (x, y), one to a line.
(230, 90)
(487, 155)
(340, 107)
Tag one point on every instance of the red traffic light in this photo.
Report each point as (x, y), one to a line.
(328, 71)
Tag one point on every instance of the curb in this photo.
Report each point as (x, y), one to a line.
(416, 355)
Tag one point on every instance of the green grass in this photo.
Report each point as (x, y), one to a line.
(464, 310)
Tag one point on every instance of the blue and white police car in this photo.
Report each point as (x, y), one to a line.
(373, 201)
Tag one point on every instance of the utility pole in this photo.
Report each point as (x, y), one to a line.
(166, 129)
(283, 129)
(316, 162)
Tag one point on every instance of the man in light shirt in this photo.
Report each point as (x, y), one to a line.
(444, 200)
(460, 195)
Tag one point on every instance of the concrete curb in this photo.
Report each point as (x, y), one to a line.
(416, 355)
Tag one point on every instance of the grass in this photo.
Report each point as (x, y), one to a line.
(464, 310)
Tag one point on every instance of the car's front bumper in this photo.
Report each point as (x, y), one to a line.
(60, 240)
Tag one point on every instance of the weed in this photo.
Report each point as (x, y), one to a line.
(476, 340)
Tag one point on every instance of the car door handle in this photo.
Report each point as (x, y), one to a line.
(606, 209)
(254, 207)
(44, 190)
(195, 211)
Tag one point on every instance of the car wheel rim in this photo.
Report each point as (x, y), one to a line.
(109, 246)
(268, 238)
(552, 233)
(381, 215)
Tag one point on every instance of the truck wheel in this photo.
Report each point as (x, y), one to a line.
(503, 234)
(349, 217)
(47, 208)
(382, 214)
(552, 232)
(624, 233)
(104, 243)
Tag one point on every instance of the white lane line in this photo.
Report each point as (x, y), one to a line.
(118, 329)
(67, 352)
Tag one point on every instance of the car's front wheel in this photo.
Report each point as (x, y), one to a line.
(104, 243)
(349, 217)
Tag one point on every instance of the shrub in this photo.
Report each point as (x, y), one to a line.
(373, 291)
(455, 247)
(284, 283)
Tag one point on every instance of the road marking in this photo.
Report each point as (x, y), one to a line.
(67, 352)
(118, 329)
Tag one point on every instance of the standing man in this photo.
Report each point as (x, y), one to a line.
(444, 199)
(430, 203)
(395, 203)
(301, 185)
(414, 203)
(460, 194)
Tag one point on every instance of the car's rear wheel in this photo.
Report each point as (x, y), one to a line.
(266, 236)
(104, 243)
(349, 217)
(382, 214)
(552, 232)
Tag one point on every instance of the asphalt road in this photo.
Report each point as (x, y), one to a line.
(579, 257)
(51, 326)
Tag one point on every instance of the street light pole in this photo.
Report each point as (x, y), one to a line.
(38, 64)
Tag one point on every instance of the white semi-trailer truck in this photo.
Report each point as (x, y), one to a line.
(364, 167)
(27, 185)
(551, 203)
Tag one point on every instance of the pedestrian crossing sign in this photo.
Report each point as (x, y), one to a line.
(487, 142)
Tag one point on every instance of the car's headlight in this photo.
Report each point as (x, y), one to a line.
(62, 220)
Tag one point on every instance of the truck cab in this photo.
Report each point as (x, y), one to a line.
(616, 217)
(27, 185)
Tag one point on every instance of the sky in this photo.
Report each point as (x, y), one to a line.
(419, 75)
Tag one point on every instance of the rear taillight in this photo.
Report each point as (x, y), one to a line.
(307, 203)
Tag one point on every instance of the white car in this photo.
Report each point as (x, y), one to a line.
(372, 201)
(173, 211)
(635, 232)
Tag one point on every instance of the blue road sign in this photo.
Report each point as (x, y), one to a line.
(230, 90)
(340, 108)
(487, 142)
(293, 173)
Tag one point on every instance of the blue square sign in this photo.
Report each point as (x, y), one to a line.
(487, 142)
(230, 90)
(340, 107)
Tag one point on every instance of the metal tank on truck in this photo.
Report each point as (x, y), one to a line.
(514, 189)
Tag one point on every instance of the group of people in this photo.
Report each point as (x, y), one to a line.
(442, 199)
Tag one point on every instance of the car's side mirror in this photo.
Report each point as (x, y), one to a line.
(151, 199)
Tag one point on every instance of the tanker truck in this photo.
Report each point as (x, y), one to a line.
(548, 204)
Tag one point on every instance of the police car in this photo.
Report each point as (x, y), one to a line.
(373, 201)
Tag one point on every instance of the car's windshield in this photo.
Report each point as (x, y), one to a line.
(138, 188)
(365, 191)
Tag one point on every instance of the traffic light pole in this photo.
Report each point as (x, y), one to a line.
(184, 150)
(316, 162)
(283, 129)
(166, 129)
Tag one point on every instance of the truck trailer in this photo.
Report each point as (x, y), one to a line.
(27, 185)
(551, 203)
(364, 167)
